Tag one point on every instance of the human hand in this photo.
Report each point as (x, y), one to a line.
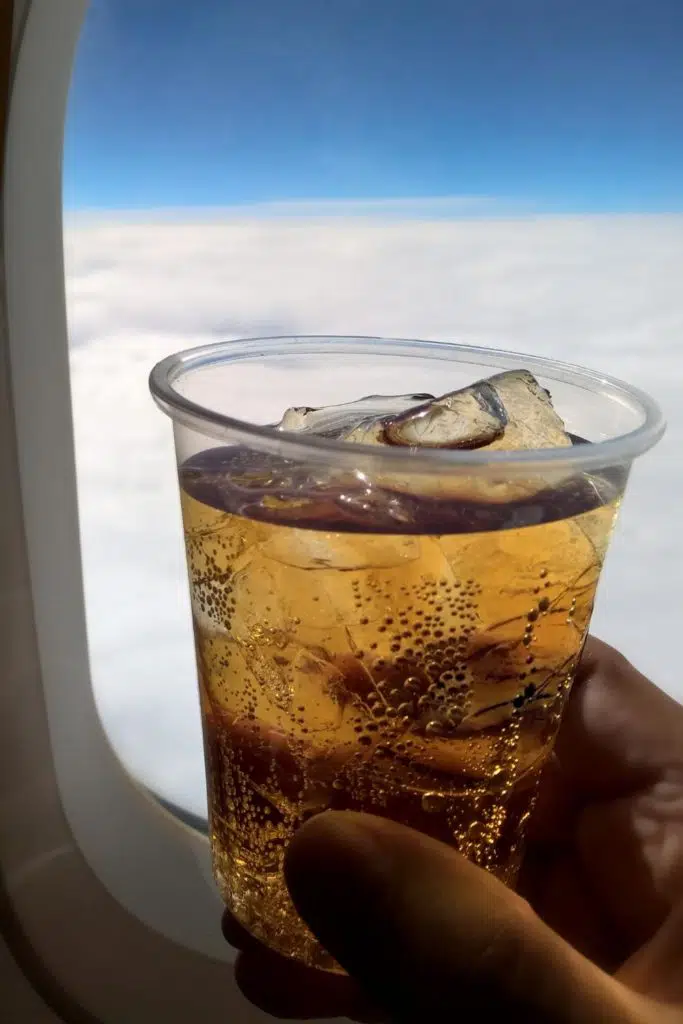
(596, 934)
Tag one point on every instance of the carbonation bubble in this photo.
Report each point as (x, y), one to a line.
(434, 803)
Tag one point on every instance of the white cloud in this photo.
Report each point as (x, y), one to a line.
(603, 291)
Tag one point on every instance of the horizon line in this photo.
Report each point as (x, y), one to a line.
(434, 209)
(406, 207)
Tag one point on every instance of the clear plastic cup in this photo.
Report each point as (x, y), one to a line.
(382, 629)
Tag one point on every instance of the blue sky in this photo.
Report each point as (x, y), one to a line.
(554, 105)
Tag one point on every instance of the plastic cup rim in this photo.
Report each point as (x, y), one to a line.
(300, 447)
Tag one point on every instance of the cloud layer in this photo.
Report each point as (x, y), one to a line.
(603, 291)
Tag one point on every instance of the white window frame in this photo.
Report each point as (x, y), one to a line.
(80, 830)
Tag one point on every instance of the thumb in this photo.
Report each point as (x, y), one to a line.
(429, 936)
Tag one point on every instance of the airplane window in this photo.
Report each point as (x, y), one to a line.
(501, 174)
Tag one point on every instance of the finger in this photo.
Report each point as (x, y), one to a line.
(646, 861)
(557, 805)
(557, 888)
(655, 970)
(620, 732)
(425, 932)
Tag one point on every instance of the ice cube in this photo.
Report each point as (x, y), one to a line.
(366, 432)
(508, 411)
(296, 418)
(532, 422)
(471, 418)
(340, 420)
(314, 549)
(505, 412)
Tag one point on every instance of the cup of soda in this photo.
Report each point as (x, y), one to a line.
(393, 551)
